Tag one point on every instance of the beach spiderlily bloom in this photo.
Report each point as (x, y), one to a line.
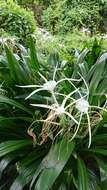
(83, 106)
(48, 85)
(58, 109)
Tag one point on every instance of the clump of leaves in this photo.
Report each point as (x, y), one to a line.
(16, 21)
(50, 144)
(62, 16)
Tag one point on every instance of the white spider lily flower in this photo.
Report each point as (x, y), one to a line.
(82, 105)
(48, 85)
(59, 110)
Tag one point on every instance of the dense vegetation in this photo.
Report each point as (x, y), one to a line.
(37, 154)
(16, 21)
(62, 16)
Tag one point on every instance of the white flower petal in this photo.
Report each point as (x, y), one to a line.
(82, 105)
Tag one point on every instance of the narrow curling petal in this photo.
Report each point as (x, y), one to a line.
(43, 106)
(34, 92)
(89, 129)
(28, 86)
(74, 135)
(68, 114)
(68, 79)
(43, 77)
(97, 107)
(74, 102)
(85, 84)
(67, 97)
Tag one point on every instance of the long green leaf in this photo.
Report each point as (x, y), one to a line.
(6, 100)
(33, 56)
(93, 68)
(97, 76)
(100, 139)
(96, 72)
(27, 167)
(103, 172)
(19, 183)
(16, 71)
(82, 56)
(53, 164)
(99, 151)
(80, 61)
(6, 161)
(93, 181)
(13, 145)
(82, 175)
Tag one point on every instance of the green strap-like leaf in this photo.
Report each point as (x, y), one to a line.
(97, 72)
(53, 164)
(33, 56)
(17, 73)
(99, 151)
(13, 145)
(93, 181)
(100, 139)
(101, 164)
(6, 161)
(80, 61)
(97, 76)
(62, 187)
(6, 100)
(82, 56)
(19, 183)
(103, 172)
(82, 175)
(27, 167)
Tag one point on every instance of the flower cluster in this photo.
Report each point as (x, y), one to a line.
(57, 110)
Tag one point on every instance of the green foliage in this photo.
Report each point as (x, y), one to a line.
(103, 13)
(16, 21)
(6, 38)
(63, 16)
(27, 2)
(66, 44)
(32, 160)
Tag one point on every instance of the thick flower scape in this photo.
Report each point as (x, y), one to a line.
(80, 106)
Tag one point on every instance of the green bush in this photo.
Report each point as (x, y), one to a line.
(103, 13)
(16, 21)
(66, 44)
(63, 16)
(6, 38)
(40, 2)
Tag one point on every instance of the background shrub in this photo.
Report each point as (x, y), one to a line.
(63, 16)
(16, 20)
(103, 13)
